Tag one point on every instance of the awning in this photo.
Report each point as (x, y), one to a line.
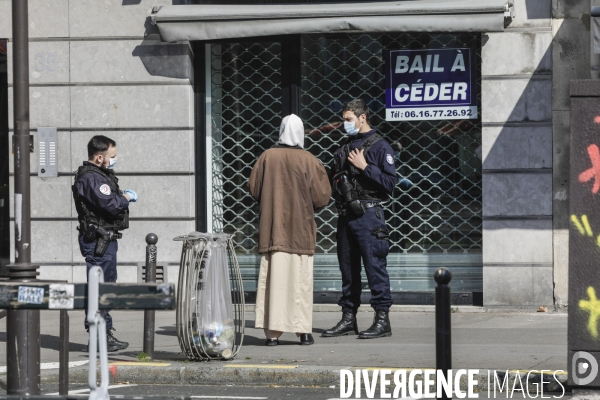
(209, 22)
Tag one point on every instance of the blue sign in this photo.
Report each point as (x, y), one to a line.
(32, 295)
(430, 84)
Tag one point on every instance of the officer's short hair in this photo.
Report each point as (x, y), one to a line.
(358, 107)
(99, 144)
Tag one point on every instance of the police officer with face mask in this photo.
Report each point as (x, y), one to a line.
(364, 176)
(102, 211)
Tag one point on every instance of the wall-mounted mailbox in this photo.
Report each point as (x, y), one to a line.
(47, 152)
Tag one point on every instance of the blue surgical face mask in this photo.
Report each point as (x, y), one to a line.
(112, 163)
(350, 128)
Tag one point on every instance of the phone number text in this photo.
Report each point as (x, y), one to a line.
(430, 113)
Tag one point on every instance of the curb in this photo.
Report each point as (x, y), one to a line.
(203, 373)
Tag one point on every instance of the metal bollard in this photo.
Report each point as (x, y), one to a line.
(63, 354)
(443, 343)
(151, 240)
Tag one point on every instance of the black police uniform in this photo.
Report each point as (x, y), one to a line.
(99, 201)
(365, 237)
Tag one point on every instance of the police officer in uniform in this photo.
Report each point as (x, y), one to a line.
(102, 211)
(363, 177)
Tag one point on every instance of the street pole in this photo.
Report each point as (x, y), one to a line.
(23, 326)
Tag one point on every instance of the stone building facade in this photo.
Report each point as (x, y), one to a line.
(100, 67)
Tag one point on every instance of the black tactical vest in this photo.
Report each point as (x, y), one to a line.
(341, 164)
(87, 213)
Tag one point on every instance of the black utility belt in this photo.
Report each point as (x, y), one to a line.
(365, 205)
(114, 235)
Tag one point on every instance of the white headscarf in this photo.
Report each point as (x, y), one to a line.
(291, 132)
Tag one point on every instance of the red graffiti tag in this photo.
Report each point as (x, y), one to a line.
(593, 172)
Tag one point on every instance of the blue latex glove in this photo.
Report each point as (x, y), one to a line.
(132, 195)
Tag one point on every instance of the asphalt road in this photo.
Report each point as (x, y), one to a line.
(205, 392)
(272, 392)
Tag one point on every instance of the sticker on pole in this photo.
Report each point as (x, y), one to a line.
(30, 295)
(61, 296)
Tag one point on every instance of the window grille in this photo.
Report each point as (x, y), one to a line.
(437, 221)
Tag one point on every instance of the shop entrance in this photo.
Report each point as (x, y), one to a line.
(435, 213)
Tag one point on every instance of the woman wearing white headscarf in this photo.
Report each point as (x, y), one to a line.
(290, 184)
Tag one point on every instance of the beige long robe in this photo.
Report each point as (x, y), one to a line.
(284, 294)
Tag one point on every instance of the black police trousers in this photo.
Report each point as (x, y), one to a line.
(108, 263)
(357, 239)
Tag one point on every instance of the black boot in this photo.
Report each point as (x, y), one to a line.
(110, 347)
(380, 328)
(111, 340)
(346, 326)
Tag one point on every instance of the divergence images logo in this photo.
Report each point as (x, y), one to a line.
(585, 368)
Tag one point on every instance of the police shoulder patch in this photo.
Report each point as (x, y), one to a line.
(105, 189)
(389, 158)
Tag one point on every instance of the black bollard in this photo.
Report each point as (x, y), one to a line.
(151, 240)
(63, 354)
(443, 343)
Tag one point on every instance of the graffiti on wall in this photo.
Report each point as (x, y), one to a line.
(583, 226)
(591, 305)
(594, 171)
(585, 188)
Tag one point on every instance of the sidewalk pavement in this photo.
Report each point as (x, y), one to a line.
(480, 340)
